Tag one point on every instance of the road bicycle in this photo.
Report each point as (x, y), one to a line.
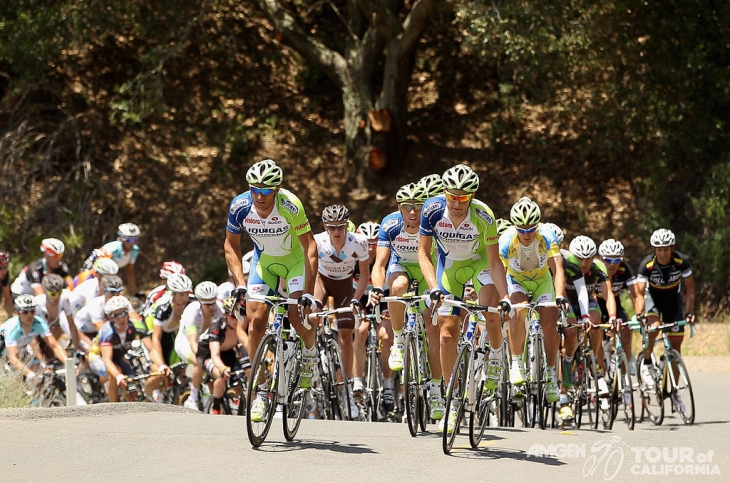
(671, 380)
(465, 393)
(583, 390)
(275, 373)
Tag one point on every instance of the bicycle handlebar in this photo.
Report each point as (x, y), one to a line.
(274, 300)
(407, 300)
(342, 310)
(470, 307)
(534, 305)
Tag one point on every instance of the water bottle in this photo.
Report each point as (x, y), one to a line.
(289, 351)
(277, 322)
(478, 361)
(470, 328)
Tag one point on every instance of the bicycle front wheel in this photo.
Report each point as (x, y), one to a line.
(264, 381)
(681, 394)
(479, 417)
(652, 402)
(295, 401)
(341, 384)
(455, 396)
(410, 379)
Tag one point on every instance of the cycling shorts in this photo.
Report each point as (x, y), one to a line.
(669, 312)
(183, 349)
(266, 271)
(341, 292)
(228, 358)
(575, 310)
(542, 288)
(452, 277)
(620, 312)
(167, 341)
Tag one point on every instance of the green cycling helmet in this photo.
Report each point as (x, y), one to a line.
(525, 212)
(411, 191)
(433, 185)
(265, 172)
(461, 177)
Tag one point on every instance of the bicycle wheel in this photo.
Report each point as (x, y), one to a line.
(325, 394)
(627, 389)
(479, 417)
(235, 403)
(341, 385)
(265, 376)
(593, 402)
(296, 399)
(410, 376)
(536, 398)
(373, 385)
(652, 402)
(579, 388)
(681, 394)
(455, 396)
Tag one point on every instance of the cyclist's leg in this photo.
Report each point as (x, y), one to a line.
(398, 281)
(185, 352)
(570, 344)
(260, 282)
(516, 334)
(359, 354)
(385, 335)
(596, 336)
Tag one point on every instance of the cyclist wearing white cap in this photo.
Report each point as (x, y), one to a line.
(29, 279)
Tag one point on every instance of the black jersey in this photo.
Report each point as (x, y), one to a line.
(664, 283)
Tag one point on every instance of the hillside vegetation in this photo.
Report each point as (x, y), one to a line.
(612, 115)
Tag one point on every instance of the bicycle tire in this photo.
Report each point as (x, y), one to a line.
(342, 390)
(258, 430)
(410, 374)
(652, 402)
(372, 390)
(682, 391)
(479, 417)
(455, 394)
(579, 388)
(295, 403)
(234, 404)
(326, 389)
(537, 373)
(593, 402)
(627, 388)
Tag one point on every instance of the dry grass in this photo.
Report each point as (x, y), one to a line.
(13, 391)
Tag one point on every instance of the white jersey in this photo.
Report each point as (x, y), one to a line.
(225, 289)
(69, 304)
(192, 316)
(88, 289)
(339, 266)
(92, 312)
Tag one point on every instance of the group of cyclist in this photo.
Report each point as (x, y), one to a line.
(441, 237)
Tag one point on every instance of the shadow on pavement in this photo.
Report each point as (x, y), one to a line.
(493, 453)
(334, 446)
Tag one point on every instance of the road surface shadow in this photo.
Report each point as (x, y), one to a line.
(300, 445)
(493, 453)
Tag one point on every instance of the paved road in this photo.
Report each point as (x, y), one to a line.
(89, 444)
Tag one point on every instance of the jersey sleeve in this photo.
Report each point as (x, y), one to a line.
(504, 243)
(362, 246)
(430, 213)
(388, 224)
(237, 211)
(551, 243)
(34, 273)
(105, 334)
(486, 215)
(290, 203)
(134, 255)
(40, 327)
(683, 264)
(643, 274)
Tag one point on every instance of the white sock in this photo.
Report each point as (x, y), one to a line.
(435, 387)
(312, 352)
(194, 394)
(496, 353)
(398, 336)
(357, 383)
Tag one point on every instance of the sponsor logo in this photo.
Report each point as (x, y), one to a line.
(237, 204)
(484, 215)
(289, 206)
(402, 239)
(457, 236)
(274, 218)
(257, 289)
(268, 231)
(252, 221)
(392, 223)
(303, 225)
(444, 224)
(432, 207)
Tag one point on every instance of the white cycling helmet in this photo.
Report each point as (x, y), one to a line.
(205, 291)
(369, 229)
(265, 172)
(662, 238)
(611, 248)
(557, 230)
(411, 191)
(502, 225)
(115, 303)
(178, 282)
(53, 283)
(53, 246)
(128, 230)
(106, 266)
(335, 213)
(525, 212)
(433, 185)
(246, 262)
(461, 177)
(583, 247)
(25, 302)
(170, 268)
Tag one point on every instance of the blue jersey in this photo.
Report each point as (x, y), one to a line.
(15, 336)
(120, 258)
(393, 235)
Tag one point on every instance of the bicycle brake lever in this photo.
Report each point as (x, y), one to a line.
(305, 320)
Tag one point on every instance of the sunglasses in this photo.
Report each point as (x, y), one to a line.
(262, 191)
(114, 290)
(612, 261)
(26, 311)
(54, 255)
(526, 231)
(411, 206)
(119, 315)
(130, 240)
(53, 295)
(336, 227)
(207, 302)
(460, 198)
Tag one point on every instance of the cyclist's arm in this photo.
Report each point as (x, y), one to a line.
(242, 334)
(7, 299)
(382, 255)
(362, 282)
(192, 336)
(496, 270)
(69, 282)
(640, 302)
(424, 261)
(215, 354)
(58, 351)
(37, 289)
(609, 298)
(156, 353)
(689, 294)
(582, 291)
(107, 352)
(75, 339)
(15, 361)
(311, 262)
(131, 278)
(556, 267)
(232, 249)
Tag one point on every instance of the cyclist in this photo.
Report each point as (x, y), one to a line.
(217, 354)
(124, 251)
(531, 252)
(662, 274)
(465, 232)
(396, 265)
(225, 289)
(29, 279)
(163, 323)
(5, 283)
(90, 317)
(22, 330)
(168, 268)
(339, 251)
(59, 306)
(621, 278)
(285, 249)
(196, 318)
(582, 250)
(91, 288)
(115, 339)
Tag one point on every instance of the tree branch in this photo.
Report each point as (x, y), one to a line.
(381, 18)
(327, 60)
